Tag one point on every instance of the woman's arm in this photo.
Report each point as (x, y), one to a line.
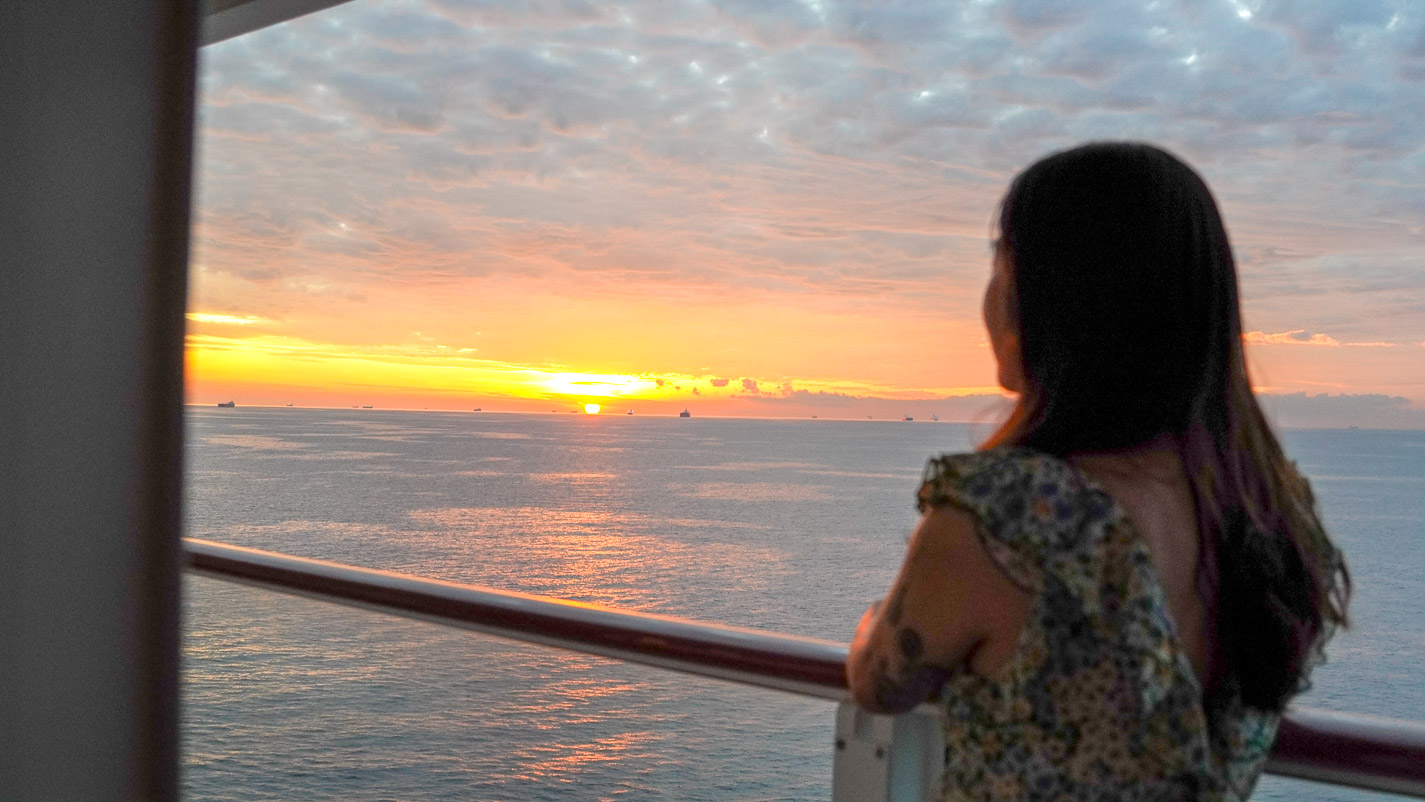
(948, 600)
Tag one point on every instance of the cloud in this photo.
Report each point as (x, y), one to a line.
(460, 160)
(1323, 27)
(1294, 337)
(1034, 17)
(987, 409)
(226, 320)
(749, 386)
(1301, 337)
(719, 382)
(1341, 410)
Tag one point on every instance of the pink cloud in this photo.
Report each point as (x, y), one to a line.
(1300, 337)
(1294, 337)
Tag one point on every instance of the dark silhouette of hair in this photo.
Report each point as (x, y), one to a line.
(1125, 296)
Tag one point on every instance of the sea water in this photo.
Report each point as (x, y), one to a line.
(787, 525)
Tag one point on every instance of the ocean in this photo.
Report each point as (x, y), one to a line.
(788, 525)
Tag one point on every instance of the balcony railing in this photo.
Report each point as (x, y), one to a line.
(881, 757)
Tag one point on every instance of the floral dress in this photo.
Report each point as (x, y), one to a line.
(1099, 701)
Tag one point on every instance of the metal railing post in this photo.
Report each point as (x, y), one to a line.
(886, 758)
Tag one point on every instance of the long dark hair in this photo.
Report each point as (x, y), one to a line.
(1125, 298)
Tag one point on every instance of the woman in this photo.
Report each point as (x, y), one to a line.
(1118, 594)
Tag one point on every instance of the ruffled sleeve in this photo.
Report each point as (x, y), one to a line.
(1028, 508)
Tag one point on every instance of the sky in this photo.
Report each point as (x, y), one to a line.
(775, 208)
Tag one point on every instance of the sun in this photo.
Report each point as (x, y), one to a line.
(592, 409)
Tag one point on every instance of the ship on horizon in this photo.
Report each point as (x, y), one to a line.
(685, 414)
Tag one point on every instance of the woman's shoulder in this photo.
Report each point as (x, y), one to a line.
(1008, 484)
(1030, 504)
(983, 472)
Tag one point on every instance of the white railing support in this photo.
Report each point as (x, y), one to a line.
(886, 758)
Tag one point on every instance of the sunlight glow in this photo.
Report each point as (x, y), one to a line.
(591, 409)
(277, 370)
(601, 384)
(226, 320)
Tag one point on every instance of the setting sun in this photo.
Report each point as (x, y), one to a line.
(592, 409)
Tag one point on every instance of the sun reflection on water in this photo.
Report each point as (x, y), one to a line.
(291, 698)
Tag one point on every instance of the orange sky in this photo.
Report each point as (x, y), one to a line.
(765, 214)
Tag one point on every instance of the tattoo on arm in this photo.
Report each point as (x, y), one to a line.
(909, 641)
(911, 682)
